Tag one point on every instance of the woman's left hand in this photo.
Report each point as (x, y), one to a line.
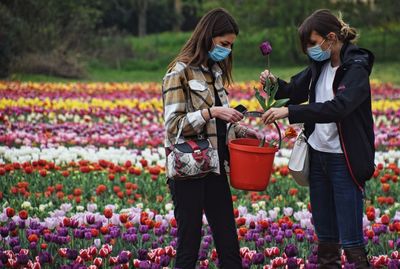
(275, 113)
(254, 134)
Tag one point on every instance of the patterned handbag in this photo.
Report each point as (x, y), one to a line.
(193, 158)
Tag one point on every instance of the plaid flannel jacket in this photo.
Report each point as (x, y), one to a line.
(198, 82)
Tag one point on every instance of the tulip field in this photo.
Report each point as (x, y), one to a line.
(82, 183)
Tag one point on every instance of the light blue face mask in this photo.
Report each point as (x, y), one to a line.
(219, 53)
(316, 53)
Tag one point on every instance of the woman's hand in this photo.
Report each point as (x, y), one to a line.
(227, 114)
(275, 113)
(254, 134)
(267, 74)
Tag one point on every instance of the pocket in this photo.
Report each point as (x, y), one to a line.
(200, 94)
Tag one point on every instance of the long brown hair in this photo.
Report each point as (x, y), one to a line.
(217, 22)
(323, 22)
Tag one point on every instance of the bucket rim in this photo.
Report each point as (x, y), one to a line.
(251, 148)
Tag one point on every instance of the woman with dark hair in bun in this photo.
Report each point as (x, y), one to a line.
(338, 124)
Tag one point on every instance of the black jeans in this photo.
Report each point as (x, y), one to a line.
(211, 194)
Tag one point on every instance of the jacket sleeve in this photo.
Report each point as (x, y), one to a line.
(175, 107)
(297, 89)
(357, 89)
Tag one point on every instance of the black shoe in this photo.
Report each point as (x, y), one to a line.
(329, 255)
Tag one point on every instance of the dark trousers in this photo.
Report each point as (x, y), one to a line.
(211, 194)
(336, 201)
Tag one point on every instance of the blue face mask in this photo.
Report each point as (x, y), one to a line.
(219, 53)
(316, 53)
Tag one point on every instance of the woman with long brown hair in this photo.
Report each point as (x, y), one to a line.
(202, 70)
(339, 126)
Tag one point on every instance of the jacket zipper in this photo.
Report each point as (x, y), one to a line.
(339, 127)
(347, 159)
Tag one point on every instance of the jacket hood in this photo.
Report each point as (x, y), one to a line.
(352, 54)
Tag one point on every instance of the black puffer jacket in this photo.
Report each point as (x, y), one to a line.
(350, 108)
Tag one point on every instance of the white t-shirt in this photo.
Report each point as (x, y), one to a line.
(325, 137)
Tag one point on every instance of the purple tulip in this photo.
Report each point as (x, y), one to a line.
(3, 232)
(279, 239)
(268, 238)
(174, 232)
(202, 255)
(123, 257)
(311, 266)
(22, 259)
(205, 245)
(72, 254)
(3, 257)
(145, 265)
(143, 229)
(260, 242)
(288, 233)
(155, 266)
(394, 264)
(154, 245)
(44, 257)
(265, 48)
(300, 237)
(142, 254)
(88, 235)
(62, 231)
(313, 258)
(145, 237)
(173, 243)
(165, 260)
(349, 265)
(12, 225)
(246, 264)
(21, 224)
(291, 263)
(258, 258)
(291, 250)
(16, 249)
(32, 245)
(375, 240)
(208, 239)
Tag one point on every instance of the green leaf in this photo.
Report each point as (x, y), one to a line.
(280, 102)
(261, 100)
(274, 91)
(267, 87)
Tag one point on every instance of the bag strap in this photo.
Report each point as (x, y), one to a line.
(190, 108)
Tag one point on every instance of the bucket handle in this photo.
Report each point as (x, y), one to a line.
(257, 114)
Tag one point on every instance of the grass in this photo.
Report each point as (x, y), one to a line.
(385, 72)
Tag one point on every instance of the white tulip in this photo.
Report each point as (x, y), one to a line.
(26, 205)
(168, 206)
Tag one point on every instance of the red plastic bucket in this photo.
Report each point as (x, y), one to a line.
(250, 165)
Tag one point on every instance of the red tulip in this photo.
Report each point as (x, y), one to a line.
(23, 214)
(108, 213)
(10, 212)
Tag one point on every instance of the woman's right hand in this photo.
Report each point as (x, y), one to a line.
(227, 114)
(267, 74)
